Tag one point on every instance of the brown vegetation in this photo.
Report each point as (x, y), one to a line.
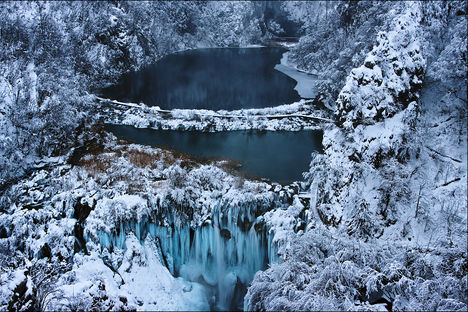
(95, 165)
(142, 159)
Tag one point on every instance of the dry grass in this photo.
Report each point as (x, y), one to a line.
(98, 160)
(167, 158)
(230, 166)
(141, 159)
(134, 186)
(186, 161)
(95, 149)
(95, 165)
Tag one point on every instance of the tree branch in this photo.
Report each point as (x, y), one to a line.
(440, 154)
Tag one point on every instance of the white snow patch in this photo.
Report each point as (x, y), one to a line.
(305, 82)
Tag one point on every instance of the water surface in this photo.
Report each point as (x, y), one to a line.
(222, 78)
(280, 156)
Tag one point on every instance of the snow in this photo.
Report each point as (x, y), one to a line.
(142, 280)
(33, 84)
(113, 19)
(8, 283)
(16, 278)
(118, 233)
(390, 77)
(292, 117)
(387, 201)
(305, 82)
(382, 214)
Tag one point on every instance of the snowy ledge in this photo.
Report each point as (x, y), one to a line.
(292, 117)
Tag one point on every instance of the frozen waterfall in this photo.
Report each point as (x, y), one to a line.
(224, 253)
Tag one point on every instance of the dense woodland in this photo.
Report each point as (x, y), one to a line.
(384, 225)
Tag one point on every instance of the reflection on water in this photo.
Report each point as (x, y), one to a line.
(280, 156)
(225, 78)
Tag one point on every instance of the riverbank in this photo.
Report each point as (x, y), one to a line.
(110, 183)
(292, 117)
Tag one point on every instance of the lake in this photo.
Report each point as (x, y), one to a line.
(215, 78)
(280, 156)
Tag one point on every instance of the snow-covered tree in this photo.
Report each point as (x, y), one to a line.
(389, 79)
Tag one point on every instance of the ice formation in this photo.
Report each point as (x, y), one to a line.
(224, 253)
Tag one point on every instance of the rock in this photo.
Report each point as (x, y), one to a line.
(259, 224)
(225, 234)
(44, 252)
(81, 211)
(244, 223)
(3, 232)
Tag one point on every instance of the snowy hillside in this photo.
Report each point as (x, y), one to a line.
(90, 221)
(387, 228)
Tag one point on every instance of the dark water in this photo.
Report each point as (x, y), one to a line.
(215, 79)
(280, 156)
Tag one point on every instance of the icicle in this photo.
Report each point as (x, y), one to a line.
(224, 254)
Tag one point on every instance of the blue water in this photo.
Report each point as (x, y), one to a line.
(223, 78)
(280, 156)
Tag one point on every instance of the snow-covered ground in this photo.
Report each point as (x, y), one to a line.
(99, 206)
(301, 115)
(379, 223)
(141, 282)
(305, 82)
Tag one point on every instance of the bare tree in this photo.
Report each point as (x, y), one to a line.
(44, 276)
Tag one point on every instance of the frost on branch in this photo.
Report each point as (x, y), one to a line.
(389, 79)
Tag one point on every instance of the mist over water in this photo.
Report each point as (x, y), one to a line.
(223, 78)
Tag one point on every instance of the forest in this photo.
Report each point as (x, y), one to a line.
(95, 214)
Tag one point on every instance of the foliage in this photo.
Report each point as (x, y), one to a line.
(336, 273)
(338, 36)
(386, 223)
(54, 53)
